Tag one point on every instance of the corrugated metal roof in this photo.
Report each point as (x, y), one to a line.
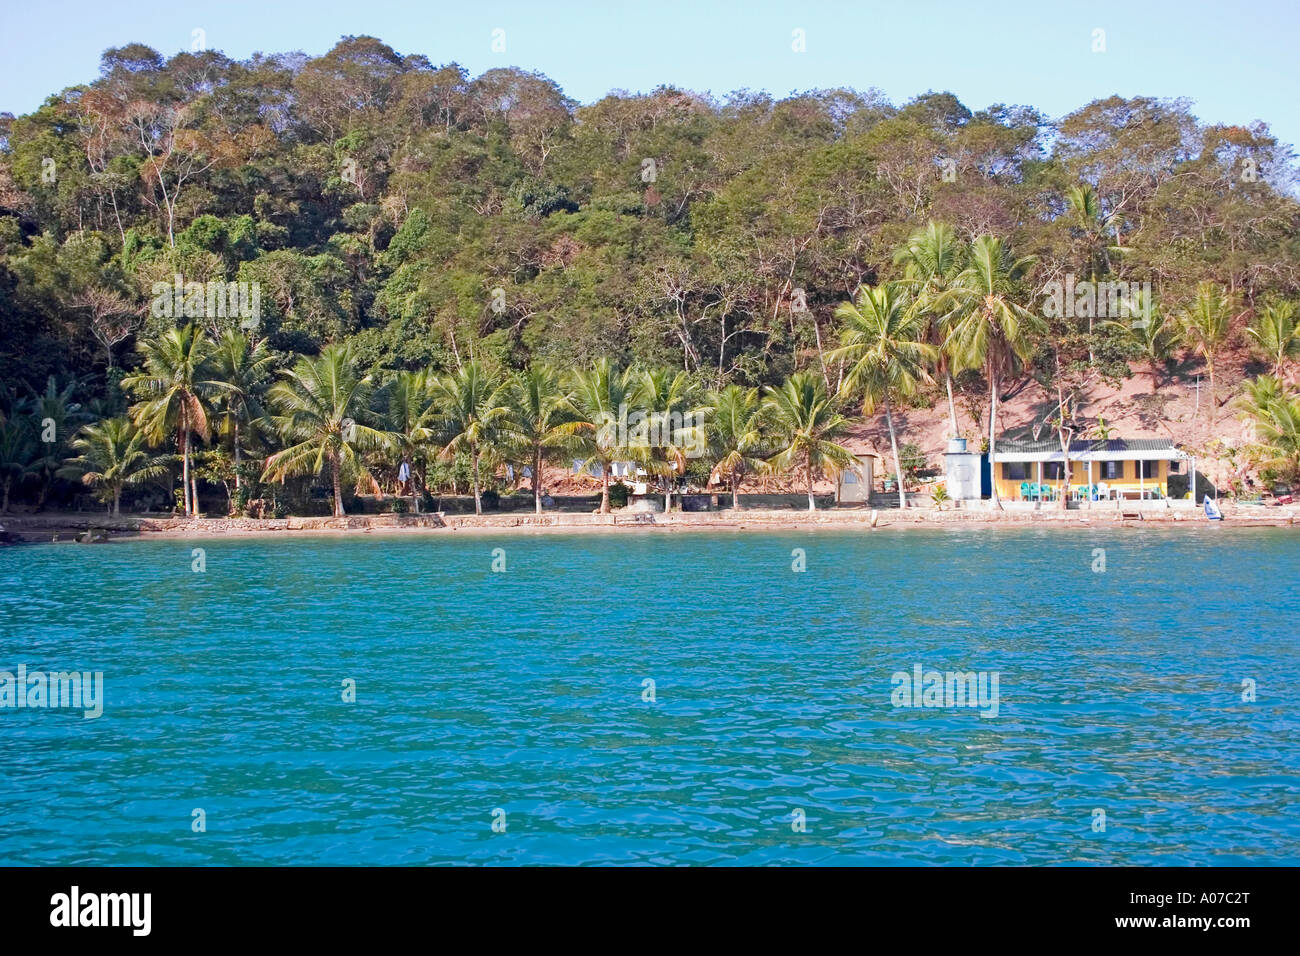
(1112, 449)
(1087, 445)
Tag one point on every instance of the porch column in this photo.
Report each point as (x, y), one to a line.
(1091, 491)
(1038, 486)
(1142, 481)
(1192, 481)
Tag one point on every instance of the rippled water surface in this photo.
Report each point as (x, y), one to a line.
(523, 692)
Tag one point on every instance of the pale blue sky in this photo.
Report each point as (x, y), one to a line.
(1235, 61)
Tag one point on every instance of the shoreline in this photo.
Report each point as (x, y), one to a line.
(69, 527)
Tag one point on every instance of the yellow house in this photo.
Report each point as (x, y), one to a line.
(1103, 470)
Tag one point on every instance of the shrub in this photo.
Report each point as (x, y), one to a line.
(618, 494)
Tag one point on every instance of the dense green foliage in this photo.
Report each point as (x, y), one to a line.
(425, 244)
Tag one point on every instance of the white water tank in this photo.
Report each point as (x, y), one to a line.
(961, 471)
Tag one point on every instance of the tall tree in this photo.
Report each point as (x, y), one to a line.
(601, 399)
(538, 418)
(805, 427)
(1207, 328)
(933, 258)
(991, 330)
(470, 412)
(881, 339)
(317, 405)
(176, 386)
(736, 436)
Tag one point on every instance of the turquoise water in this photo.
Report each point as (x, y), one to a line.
(522, 692)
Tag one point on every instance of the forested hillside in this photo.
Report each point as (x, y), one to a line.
(437, 224)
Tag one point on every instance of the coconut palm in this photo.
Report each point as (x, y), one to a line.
(1278, 432)
(601, 397)
(804, 427)
(110, 455)
(240, 371)
(538, 418)
(412, 419)
(317, 406)
(1276, 333)
(176, 387)
(881, 338)
(990, 329)
(1148, 332)
(667, 400)
(470, 410)
(735, 434)
(17, 453)
(1207, 328)
(933, 258)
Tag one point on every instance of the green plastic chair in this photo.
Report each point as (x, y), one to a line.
(1024, 491)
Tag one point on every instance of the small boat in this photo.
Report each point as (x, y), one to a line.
(1212, 510)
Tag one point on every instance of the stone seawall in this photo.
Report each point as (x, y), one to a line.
(63, 526)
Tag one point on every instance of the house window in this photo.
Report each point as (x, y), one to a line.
(1112, 470)
(1150, 469)
(1054, 470)
(1175, 468)
(1015, 470)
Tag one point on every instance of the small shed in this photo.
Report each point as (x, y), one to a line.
(853, 486)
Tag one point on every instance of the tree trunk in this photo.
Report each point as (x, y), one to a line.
(478, 498)
(338, 489)
(893, 444)
(185, 471)
(4, 508)
(993, 419)
(236, 456)
(668, 494)
(117, 502)
(952, 406)
(735, 493)
(1213, 404)
(604, 493)
(812, 505)
(537, 479)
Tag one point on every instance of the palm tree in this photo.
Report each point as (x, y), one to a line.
(55, 417)
(111, 455)
(412, 418)
(735, 431)
(317, 404)
(990, 329)
(1276, 333)
(601, 396)
(1207, 328)
(17, 452)
(882, 338)
(1147, 332)
(933, 258)
(176, 386)
(666, 398)
(804, 427)
(1095, 228)
(240, 372)
(538, 418)
(1278, 426)
(470, 410)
